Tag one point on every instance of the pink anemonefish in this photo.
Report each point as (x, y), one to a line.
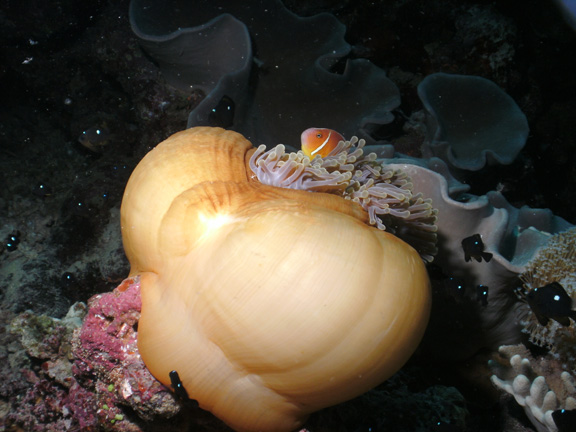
(318, 141)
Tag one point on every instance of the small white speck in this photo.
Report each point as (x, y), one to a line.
(126, 390)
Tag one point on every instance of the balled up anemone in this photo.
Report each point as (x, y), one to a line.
(269, 302)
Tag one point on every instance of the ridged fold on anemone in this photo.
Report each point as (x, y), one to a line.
(386, 194)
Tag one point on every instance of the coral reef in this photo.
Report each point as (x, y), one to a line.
(555, 262)
(106, 355)
(512, 235)
(433, 408)
(544, 384)
(75, 68)
(91, 375)
(65, 405)
(90, 379)
(539, 384)
(492, 40)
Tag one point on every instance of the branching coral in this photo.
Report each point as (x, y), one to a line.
(544, 384)
(540, 385)
(556, 262)
(385, 193)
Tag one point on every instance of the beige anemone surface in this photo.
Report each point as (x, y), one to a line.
(270, 303)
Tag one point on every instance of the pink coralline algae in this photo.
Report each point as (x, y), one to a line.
(107, 357)
(91, 376)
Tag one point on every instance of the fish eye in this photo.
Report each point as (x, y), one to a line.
(318, 135)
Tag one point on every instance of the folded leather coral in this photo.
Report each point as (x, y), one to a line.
(472, 121)
(512, 235)
(269, 302)
(260, 64)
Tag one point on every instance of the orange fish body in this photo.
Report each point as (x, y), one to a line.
(318, 141)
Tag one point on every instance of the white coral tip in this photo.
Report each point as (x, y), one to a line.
(520, 364)
(568, 381)
(538, 390)
(550, 402)
(501, 384)
(521, 388)
(570, 403)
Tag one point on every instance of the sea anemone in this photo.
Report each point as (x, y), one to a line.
(270, 303)
(386, 194)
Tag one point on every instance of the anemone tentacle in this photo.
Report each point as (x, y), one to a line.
(386, 194)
